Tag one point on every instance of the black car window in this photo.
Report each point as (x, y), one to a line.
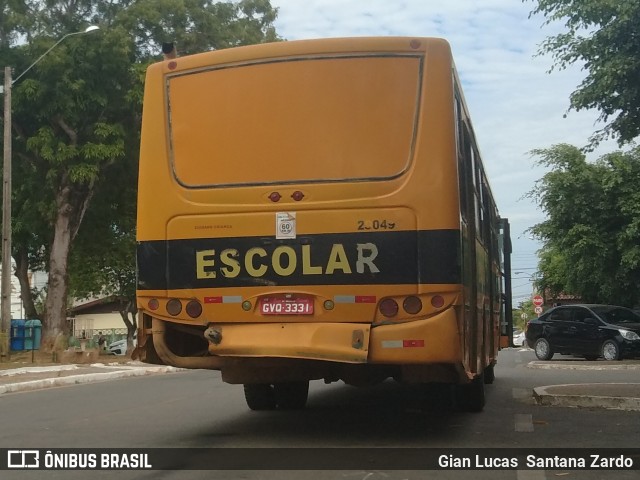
(560, 315)
(579, 314)
(617, 315)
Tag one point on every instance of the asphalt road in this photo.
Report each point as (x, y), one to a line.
(195, 409)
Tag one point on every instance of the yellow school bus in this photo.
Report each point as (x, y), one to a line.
(317, 209)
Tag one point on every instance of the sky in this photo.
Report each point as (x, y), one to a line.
(515, 104)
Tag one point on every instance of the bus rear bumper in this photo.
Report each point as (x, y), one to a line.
(432, 340)
(425, 350)
(336, 342)
(427, 341)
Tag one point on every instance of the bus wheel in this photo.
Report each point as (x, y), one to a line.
(470, 396)
(291, 395)
(489, 374)
(437, 397)
(260, 396)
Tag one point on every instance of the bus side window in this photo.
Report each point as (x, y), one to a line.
(463, 160)
(466, 161)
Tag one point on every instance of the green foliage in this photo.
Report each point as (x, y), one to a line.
(198, 25)
(524, 313)
(602, 36)
(76, 122)
(591, 238)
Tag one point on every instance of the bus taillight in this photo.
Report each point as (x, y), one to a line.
(153, 304)
(174, 307)
(388, 307)
(437, 301)
(412, 305)
(193, 309)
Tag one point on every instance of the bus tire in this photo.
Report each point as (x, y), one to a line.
(489, 374)
(470, 396)
(260, 396)
(291, 395)
(437, 397)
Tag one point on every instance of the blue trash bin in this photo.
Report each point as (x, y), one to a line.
(17, 335)
(32, 334)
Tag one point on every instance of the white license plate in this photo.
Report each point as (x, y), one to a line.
(286, 306)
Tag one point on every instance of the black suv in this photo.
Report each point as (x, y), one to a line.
(592, 331)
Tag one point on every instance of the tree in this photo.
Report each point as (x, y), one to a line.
(71, 123)
(102, 259)
(523, 313)
(602, 36)
(77, 115)
(591, 238)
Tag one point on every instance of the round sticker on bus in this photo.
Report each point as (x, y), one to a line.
(286, 225)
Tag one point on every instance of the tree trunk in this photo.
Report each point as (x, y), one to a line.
(131, 323)
(71, 204)
(55, 323)
(22, 273)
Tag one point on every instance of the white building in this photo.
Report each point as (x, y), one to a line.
(17, 310)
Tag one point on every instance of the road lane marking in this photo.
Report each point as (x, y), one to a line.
(523, 422)
(518, 393)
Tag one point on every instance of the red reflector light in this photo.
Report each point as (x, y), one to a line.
(388, 307)
(193, 309)
(412, 305)
(365, 299)
(153, 304)
(275, 197)
(297, 195)
(174, 307)
(437, 301)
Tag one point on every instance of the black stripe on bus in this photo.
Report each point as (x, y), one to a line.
(369, 258)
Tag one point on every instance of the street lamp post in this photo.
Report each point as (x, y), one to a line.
(5, 287)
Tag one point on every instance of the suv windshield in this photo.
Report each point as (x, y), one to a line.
(617, 315)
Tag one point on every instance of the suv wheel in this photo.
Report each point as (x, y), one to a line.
(542, 348)
(611, 350)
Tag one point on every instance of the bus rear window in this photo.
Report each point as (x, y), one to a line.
(296, 120)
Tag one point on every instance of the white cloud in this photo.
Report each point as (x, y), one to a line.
(515, 104)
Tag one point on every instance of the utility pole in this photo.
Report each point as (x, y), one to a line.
(5, 323)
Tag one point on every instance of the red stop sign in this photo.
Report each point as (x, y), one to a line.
(538, 301)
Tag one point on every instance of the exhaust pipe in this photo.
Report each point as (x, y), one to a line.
(158, 330)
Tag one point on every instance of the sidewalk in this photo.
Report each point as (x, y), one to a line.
(616, 396)
(20, 374)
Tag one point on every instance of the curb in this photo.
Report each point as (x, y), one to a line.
(543, 396)
(23, 370)
(84, 378)
(549, 365)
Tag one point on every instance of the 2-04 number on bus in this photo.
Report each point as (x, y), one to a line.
(375, 225)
